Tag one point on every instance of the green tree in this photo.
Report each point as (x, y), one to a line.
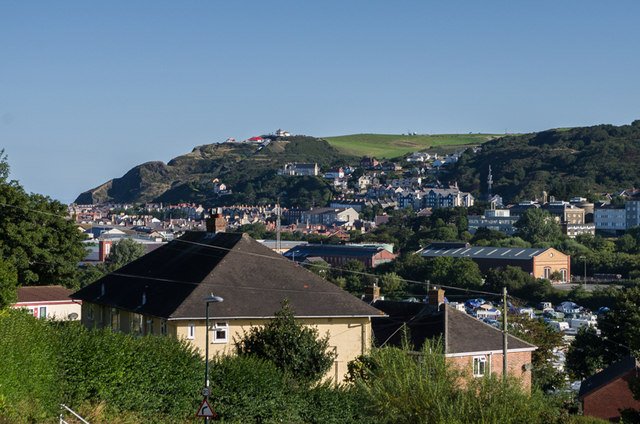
(537, 226)
(392, 285)
(8, 284)
(586, 354)
(539, 333)
(43, 246)
(295, 349)
(124, 251)
(619, 336)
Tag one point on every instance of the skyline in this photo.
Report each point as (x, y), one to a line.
(88, 91)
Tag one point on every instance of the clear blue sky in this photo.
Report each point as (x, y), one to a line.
(90, 89)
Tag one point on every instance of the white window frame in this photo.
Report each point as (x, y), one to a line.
(477, 361)
(42, 312)
(220, 332)
(163, 328)
(191, 331)
(547, 272)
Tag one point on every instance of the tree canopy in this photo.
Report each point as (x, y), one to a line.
(296, 349)
(36, 239)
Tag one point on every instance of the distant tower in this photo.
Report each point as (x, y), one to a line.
(489, 183)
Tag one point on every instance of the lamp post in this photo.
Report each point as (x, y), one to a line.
(584, 258)
(207, 300)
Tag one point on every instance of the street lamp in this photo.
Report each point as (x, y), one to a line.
(207, 300)
(584, 258)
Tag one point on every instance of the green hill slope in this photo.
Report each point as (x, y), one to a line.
(249, 170)
(391, 145)
(564, 163)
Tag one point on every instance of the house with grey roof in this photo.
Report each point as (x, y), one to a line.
(472, 345)
(163, 293)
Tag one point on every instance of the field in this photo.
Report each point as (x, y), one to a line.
(391, 145)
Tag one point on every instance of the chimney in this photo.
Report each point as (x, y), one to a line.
(436, 297)
(216, 222)
(371, 293)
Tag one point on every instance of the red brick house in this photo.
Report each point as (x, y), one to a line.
(472, 345)
(604, 394)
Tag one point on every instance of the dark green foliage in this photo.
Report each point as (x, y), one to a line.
(620, 336)
(249, 389)
(537, 226)
(124, 251)
(40, 244)
(564, 163)
(405, 388)
(585, 355)
(29, 373)
(540, 334)
(458, 272)
(295, 349)
(46, 363)
(8, 284)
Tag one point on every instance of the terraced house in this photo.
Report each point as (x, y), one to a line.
(163, 293)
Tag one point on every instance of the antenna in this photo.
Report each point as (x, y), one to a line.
(278, 241)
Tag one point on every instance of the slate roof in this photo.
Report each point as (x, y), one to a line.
(251, 279)
(461, 333)
(607, 375)
(303, 251)
(43, 294)
(460, 250)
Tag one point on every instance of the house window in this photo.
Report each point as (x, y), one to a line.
(163, 328)
(547, 272)
(136, 324)
(43, 312)
(564, 274)
(90, 312)
(479, 366)
(115, 319)
(220, 332)
(191, 331)
(149, 328)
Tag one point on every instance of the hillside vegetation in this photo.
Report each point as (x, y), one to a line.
(391, 145)
(245, 168)
(564, 163)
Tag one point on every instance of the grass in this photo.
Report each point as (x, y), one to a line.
(392, 145)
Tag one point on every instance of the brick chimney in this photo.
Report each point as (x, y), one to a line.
(436, 297)
(371, 293)
(216, 222)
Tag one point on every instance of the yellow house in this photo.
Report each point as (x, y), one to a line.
(163, 293)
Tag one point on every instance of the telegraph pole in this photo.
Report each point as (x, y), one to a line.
(504, 332)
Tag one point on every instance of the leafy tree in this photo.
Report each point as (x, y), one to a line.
(292, 347)
(392, 285)
(124, 251)
(43, 246)
(460, 272)
(586, 354)
(542, 335)
(8, 284)
(619, 336)
(537, 226)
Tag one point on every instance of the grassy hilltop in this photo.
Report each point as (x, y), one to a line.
(393, 145)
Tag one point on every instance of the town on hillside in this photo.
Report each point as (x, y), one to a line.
(399, 257)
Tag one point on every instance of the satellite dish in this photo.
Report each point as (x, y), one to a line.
(73, 316)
